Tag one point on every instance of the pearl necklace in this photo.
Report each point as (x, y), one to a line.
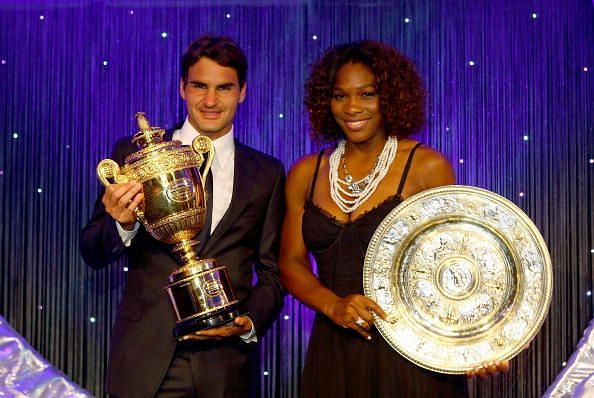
(356, 186)
(358, 191)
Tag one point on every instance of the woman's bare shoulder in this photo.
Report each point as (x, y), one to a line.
(431, 166)
(306, 165)
(301, 174)
(432, 158)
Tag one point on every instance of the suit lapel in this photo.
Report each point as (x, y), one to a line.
(244, 180)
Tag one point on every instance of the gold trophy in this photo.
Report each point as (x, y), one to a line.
(173, 211)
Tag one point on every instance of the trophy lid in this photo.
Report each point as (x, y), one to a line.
(147, 135)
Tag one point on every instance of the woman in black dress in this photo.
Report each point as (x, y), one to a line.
(365, 99)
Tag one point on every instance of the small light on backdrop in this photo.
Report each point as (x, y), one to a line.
(314, 37)
(585, 68)
(39, 190)
(42, 17)
(525, 138)
(461, 161)
(521, 194)
(286, 317)
(564, 363)
(40, 307)
(227, 15)
(15, 136)
(105, 63)
(131, 12)
(92, 319)
(534, 15)
(125, 269)
(3, 62)
(265, 373)
(67, 146)
(164, 34)
(280, 115)
(589, 293)
(471, 63)
(406, 20)
(1, 172)
(591, 161)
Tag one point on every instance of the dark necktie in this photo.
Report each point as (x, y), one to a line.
(205, 233)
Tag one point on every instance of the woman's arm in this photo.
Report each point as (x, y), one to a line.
(295, 268)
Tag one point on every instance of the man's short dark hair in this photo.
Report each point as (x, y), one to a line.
(223, 50)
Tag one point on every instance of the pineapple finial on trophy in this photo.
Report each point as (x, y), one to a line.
(147, 135)
(143, 123)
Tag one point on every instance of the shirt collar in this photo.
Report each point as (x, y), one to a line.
(224, 146)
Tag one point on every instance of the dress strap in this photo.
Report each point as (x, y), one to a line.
(406, 168)
(315, 176)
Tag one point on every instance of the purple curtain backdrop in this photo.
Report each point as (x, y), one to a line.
(511, 87)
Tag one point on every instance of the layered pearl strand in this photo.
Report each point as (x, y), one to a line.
(349, 200)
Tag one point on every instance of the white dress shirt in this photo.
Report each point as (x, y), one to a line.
(222, 169)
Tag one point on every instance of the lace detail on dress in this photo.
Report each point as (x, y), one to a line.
(328, 215)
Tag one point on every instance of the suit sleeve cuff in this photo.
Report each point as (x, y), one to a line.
(126, 235)
(251, 336)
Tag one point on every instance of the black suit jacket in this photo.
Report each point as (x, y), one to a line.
(246, 240)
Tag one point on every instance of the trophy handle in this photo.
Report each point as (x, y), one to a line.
(109, 169)
(201, 145)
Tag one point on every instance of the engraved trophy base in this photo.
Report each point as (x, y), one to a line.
(202, 296)
(217, 319)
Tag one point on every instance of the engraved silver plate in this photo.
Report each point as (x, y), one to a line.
(464, 275)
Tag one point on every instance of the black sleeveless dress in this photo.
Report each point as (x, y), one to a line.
(339, 362)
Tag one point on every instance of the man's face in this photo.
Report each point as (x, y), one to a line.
(211, 93)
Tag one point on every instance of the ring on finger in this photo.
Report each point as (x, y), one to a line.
(360, 321)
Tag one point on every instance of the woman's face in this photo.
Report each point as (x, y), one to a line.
(355, 103)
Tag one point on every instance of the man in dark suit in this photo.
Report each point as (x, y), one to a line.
(247, 209)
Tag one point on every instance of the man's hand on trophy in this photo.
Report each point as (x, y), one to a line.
(120, 201)
(240, 325)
